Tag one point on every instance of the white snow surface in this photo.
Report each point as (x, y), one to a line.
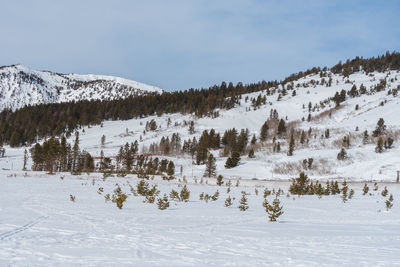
(21, 86)
(40, 226)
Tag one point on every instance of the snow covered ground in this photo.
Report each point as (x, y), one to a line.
(40, 226)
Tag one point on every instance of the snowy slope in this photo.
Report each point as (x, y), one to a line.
(40, 226)
(20, 86)
(363, 163)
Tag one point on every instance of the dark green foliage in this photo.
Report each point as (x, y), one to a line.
(379, 145)
(264, 132)
(389, 203)
(184, 194)
(291, 145)
(384, 192)
(251, 153)
(25, 125)
(380, 128)
(233, 161)
(163, 203)
(211, 167)
(281, 128)
(55, 156)
(219, 180)
(299, 185)
(119, 197)
(342, 154)
(274, 210)
(243, 202)
(228, 201)
(365, 189)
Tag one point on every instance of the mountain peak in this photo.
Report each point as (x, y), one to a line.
(21, 86)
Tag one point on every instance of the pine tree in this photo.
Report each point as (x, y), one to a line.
(342, 154)
(219, 180)
(243, 202)
(251, 153)
(379, 145)
(210, 167)
(185, 194)
(281, 127)
(345, 189)
(215, 196)
(171, 168)
(291, 145)
(351, 193)
(389, 202)
(264, 132)
(384, 192)
(302, 137)
(191, 127)
(365, 189)
(274, 210)
(228, 201)
(365, 137)
(163, 203)
(380, 128)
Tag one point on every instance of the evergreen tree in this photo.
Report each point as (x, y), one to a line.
(163, 203)
(365, 137)
(251, 153)
(228, 201)
(379, 145)
(184, 194)
(384, 192)
(365, 189)
(274, 210)
(219, 180)
(210, 167)
(389, 202)
(171, 168)
(191, 127)
(281, 127)
(345, 189)
(264, 132)
(243, 202)
(342, 154)
(291, 145)
(380, 128)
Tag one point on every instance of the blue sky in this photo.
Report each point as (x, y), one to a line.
(185, 44)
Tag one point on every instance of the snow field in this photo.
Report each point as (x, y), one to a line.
(40, 226)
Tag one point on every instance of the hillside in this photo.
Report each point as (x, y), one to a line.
(304, 104)
(21, 86)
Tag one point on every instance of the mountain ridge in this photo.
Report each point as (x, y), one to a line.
(21, 86)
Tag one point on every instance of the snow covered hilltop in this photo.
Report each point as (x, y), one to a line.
(21, 86)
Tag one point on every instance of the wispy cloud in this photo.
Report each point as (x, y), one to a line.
(183, 44)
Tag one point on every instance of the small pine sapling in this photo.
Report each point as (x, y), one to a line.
(185, 194)
(163, 203)
(345, 189)
(384, 192)
(243, 203)
(389, 202)
(365, 189)
(228, 201)
(215, 196)
(274, 210)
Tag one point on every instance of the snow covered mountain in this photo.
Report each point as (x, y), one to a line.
(21, 86)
